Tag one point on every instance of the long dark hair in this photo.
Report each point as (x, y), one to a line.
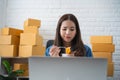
(77, 43)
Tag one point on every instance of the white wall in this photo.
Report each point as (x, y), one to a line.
(96, 17)
(2, 12)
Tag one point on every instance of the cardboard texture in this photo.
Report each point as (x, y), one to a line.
(101, 39)
(110, 70)
(9, 39)
(32, 22)
(30, 39)
(103, 47)
(107, 55)
(29, 50)
(31, 29)
(18, 66)
(0, 31)
(8, 50)
(11, 31)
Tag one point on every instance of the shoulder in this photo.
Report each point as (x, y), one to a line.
(86, 47)
(88, 51)
(47, 51)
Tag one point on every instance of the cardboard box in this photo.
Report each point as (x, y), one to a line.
(31, 29)
(18, 66)
(29, 50)
(30, 39)
(43, 50)
(32, 22)
(11, 31)
(0, 31)
(103, 47)
(9, 39)
(101, 39)
(8, 50)
(21, 66)
(26, 73)
(107, 55)
(110, 70)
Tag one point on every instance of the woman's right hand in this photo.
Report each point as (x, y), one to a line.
(54, 51)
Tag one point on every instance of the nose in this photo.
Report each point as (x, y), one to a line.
(68, 31)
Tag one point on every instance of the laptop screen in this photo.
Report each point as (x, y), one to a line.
(66, 68)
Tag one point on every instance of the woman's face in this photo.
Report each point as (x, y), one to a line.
(68, 30)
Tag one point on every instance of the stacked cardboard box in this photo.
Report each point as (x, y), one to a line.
(9, 41)
(0, 31)
(23, 67)
(31, 42)
(103, 47)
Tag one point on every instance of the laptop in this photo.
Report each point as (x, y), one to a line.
(67, 68)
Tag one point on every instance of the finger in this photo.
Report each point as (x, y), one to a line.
(53, 48)
(55, 53)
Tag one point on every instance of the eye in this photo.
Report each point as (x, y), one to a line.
(64, 29)
(72, 29)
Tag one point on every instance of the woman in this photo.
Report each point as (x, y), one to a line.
(68, 35)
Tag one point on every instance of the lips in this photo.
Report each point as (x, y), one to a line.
(68, 37)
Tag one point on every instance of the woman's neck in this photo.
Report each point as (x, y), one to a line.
(67, 44)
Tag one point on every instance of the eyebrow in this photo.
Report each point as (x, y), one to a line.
(70, 27)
